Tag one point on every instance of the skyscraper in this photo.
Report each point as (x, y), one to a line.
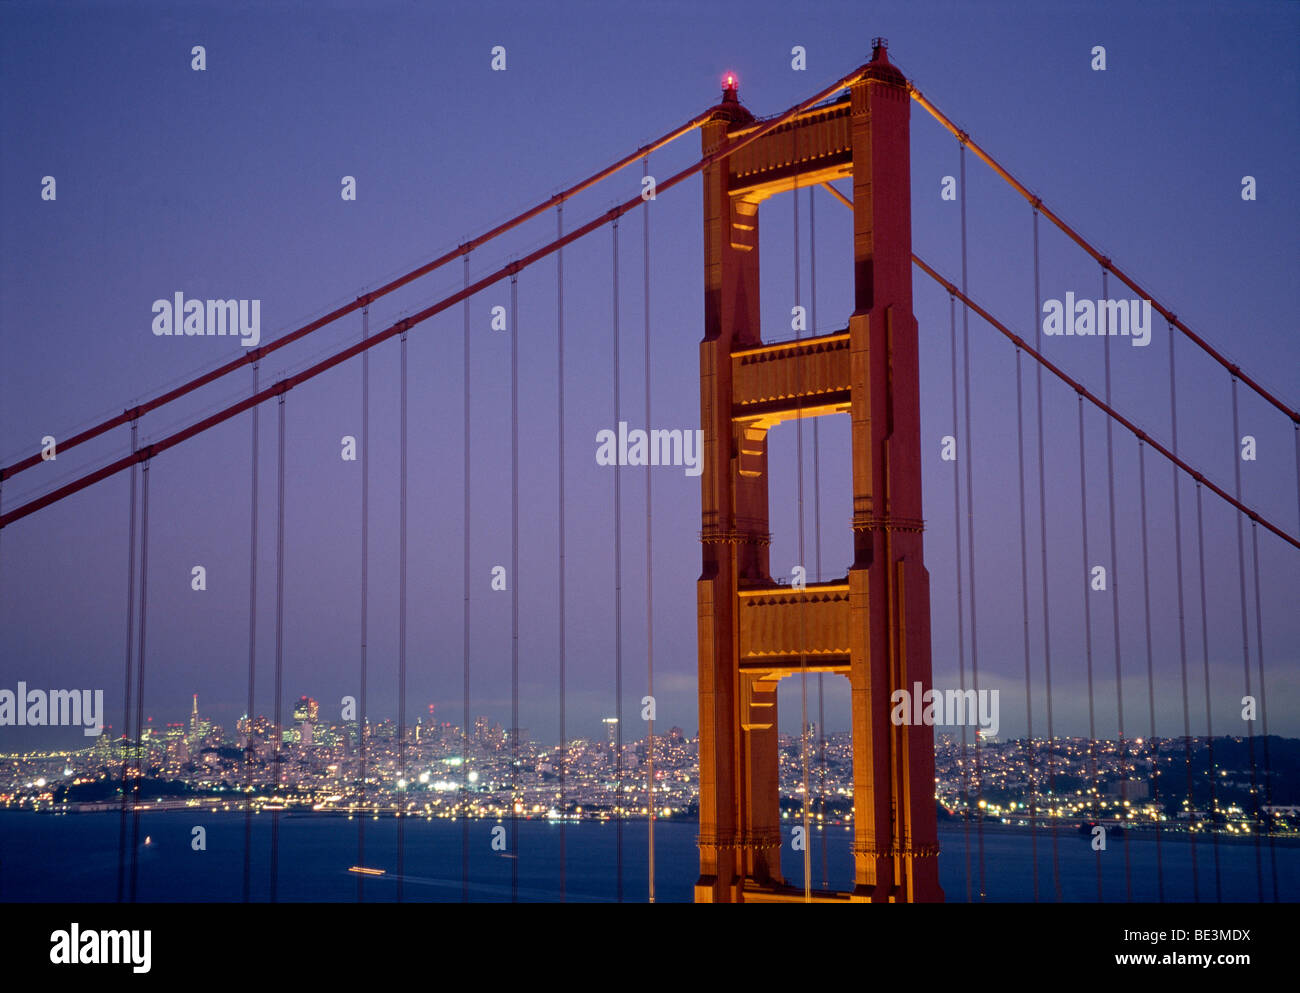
(611, 731)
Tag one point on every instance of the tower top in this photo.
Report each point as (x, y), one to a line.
(730, 108)
(880, 68)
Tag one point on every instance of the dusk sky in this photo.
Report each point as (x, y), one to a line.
(225, 183)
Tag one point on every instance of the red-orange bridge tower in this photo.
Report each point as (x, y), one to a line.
(872, 626)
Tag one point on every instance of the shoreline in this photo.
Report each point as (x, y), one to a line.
(1068, 829)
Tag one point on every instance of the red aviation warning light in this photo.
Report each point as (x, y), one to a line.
(730, 82)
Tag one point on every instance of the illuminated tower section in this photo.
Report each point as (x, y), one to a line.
(873, 625)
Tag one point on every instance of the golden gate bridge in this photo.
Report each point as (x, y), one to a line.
(873, 624)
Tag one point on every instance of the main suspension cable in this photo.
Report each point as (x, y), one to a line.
(1037, 355)
(463, 250)
(1104, 407)
(1106, 263)
(421, 316)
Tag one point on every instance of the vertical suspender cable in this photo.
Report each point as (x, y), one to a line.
(139, 676)
(401, 630)
(128, 655)
(465, 533)
(1024, 608)
(817, 536)
(252, 653)
(970, 516)
(1245, 648)
(961, 606)
(1151, 676)
(1114, 596)
(618, 593)
(128, 623)
(1093, 801)
(1263, 704)
(514, 587)
(803, 564)
(1042, 542)
(126, 688)
(1182, 630)
(1209, 723)
(564, 739)
(279, 654)
(649, 552)
(365, 597)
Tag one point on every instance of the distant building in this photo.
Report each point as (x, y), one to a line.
(611, 733)
(1129, 789)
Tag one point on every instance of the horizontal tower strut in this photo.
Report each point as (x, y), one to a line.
(406, 323)
(1105, 262)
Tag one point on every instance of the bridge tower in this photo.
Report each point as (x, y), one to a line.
(872, 626)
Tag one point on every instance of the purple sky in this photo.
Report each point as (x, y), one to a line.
(225, 183)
